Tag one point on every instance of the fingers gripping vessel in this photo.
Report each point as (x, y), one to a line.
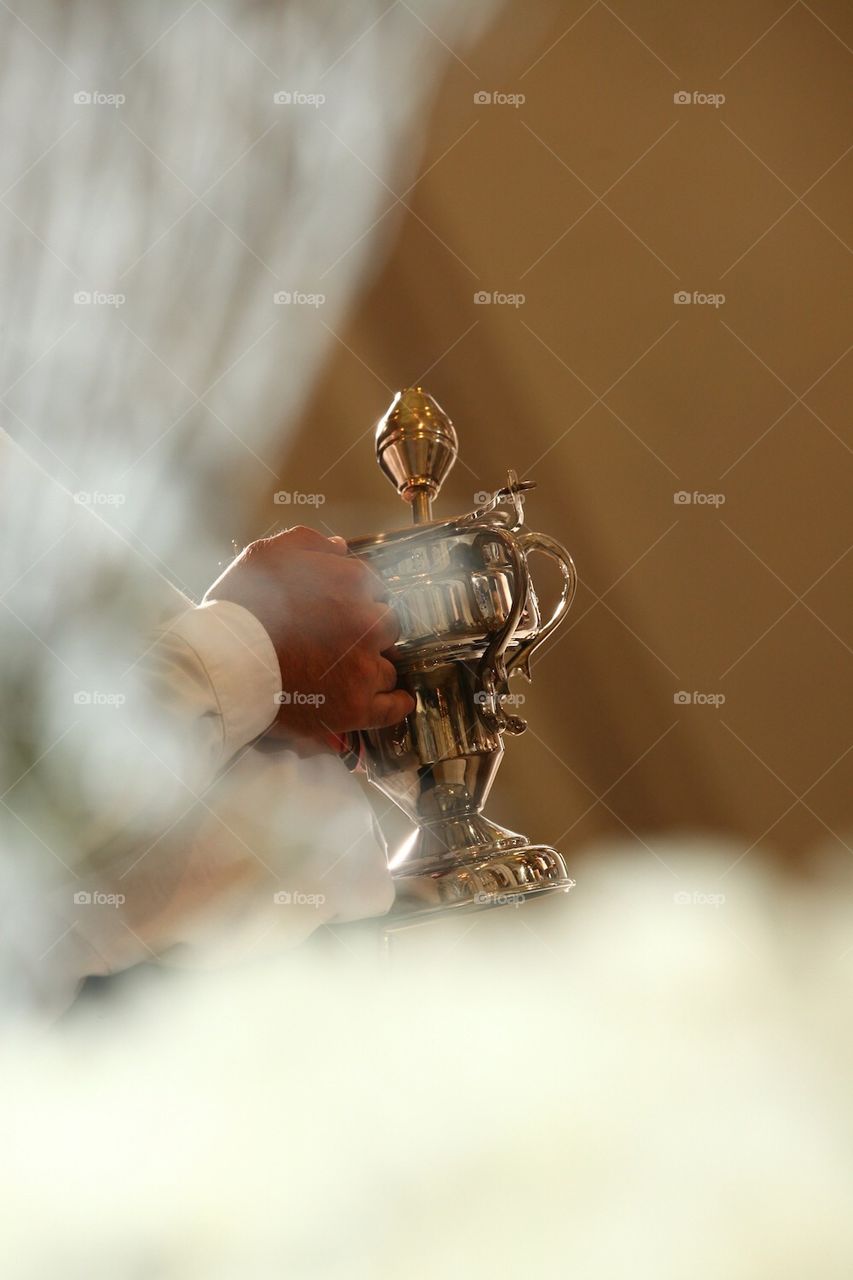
(469, 617)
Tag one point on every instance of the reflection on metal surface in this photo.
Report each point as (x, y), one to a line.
(469, 617)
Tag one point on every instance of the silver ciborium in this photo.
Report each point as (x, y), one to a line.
(469, 617)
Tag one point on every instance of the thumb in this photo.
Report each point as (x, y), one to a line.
(301, 538)
(388, 709)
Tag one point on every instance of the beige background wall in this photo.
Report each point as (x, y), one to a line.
(597, 199)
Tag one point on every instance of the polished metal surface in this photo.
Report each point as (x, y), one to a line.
(469, 617)
(416, 446)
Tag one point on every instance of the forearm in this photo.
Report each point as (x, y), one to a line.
(201, 689)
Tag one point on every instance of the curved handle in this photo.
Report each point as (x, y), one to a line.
(492, 671)
(550, 547)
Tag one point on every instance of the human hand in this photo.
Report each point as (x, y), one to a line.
(331, 629)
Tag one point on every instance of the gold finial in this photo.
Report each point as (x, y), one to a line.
(416, 445)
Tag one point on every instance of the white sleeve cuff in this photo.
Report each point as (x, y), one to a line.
(238, 657)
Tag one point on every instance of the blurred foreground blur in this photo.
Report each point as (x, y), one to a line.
(649, 1077)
